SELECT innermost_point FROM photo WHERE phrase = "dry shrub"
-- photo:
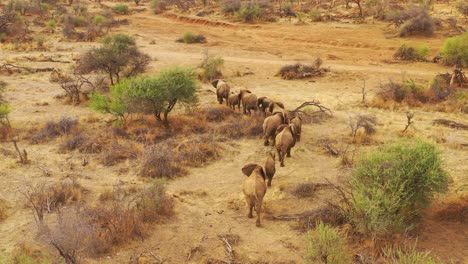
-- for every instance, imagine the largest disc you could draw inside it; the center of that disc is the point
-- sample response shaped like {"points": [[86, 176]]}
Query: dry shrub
{"points": [[407, 93], [26, 253], [454, 209], [217, 113], [197, 152], [3, 209], [117, 153], [243, 126], [43, 199], [304, 190], [420, 24], [154, 204], [160, 161], [83, 143], [367, 122], [54, 129], [326, 214], [301, 71]]}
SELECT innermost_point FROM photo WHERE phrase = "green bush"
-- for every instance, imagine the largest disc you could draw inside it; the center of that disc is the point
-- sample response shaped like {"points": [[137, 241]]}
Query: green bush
{"points": [[410, 53], [391, 186], [5, 109], [117, 102], [99, 20], [455, 50], [190, 38], [326, 245], [121, 9], [315, 15], [250, 13], [211, 68], [462, 7], [52, 24], [79, 21]]}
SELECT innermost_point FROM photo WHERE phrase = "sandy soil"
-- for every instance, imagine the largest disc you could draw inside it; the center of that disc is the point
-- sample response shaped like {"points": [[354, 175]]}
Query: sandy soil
{"points": [[209, 201]]}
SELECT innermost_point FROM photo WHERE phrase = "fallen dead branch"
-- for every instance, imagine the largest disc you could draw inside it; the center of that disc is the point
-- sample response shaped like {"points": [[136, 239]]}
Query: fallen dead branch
{"points": [[321, 108], [331, 149], [409, 117], [450, 123], [23, 156], [11, 68]]}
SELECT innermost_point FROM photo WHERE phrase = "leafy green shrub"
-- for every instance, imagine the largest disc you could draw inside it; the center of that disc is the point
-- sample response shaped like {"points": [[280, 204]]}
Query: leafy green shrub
{"points": [[326, 245], [455, 50], [287, 9], [211, 68], [409, 53], [315, 15], [250, 13], [79, 21], [117, 102], [231, 6], [120, 9], [190, 38], [99, 20], [391, 186], [5, 110], [422, 24], [52, 24], [462, 7], [44, 7]]}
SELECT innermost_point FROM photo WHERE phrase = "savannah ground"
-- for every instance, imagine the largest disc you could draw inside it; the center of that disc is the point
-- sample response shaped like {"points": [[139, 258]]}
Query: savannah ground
{"points": [[209, 202]]}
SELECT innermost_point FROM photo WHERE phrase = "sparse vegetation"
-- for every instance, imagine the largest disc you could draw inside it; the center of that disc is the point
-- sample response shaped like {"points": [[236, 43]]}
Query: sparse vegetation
{"points": [[121, 9], [54, 129], [211, 68], [421, 24], [455, 51], [3, 209], [190, 38], [301, 71], [392, 186], [161, 162], [326, 245], [231, 6], [410, 53], [118, 57], [250, 12], [462, 7], [409, 256]]}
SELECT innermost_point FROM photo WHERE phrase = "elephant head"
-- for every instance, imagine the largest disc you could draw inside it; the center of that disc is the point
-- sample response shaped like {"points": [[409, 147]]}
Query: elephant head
{"points": [[275, 104], [249, 168], [215, 82]]}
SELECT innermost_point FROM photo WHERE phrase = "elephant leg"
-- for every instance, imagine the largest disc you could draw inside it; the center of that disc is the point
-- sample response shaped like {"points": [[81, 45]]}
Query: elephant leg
{"points": [[265, 141], [279, 154], [282, 158], [269, 181], [250, 215], [258, 209], [289, 153]]}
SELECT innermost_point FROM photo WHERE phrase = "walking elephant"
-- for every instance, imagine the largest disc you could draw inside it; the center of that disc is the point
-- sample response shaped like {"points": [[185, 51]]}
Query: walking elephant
{"points": [[222, 90]]}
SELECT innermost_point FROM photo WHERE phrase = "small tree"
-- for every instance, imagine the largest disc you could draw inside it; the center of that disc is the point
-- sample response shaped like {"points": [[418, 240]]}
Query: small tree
{"points": [[117, 102], [4, 106], [118, 57], [455, 50], [159, 95]]}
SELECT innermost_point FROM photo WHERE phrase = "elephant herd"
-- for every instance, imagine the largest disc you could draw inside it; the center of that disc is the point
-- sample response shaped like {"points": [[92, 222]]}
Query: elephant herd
{"points": [[281, 129]]}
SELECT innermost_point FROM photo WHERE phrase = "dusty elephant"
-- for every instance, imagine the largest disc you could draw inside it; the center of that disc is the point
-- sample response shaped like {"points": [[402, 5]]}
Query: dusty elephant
{"points": [[248, 101], [270, 167], [222, 90], [285, 140], [275, 107], [263, 103], [270, 124], [233, 100], [254, 189], [297, 121]]}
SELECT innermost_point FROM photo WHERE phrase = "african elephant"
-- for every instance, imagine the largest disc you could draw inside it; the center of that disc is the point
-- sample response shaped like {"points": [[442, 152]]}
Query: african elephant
{"points": [[254, 188], [270, 124], [263, 103], [222, 90], [233, 100], [270, 167], [297, 121], [285, 139], [275, 107], [248, 101]]}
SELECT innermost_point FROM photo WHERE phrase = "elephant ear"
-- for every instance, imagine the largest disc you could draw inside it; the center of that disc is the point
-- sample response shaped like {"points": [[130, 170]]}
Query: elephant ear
{"points": [[247, 169], [262, 172], [215, 83], [270, 107], [293, 130], [281, 128], [280, 104]]}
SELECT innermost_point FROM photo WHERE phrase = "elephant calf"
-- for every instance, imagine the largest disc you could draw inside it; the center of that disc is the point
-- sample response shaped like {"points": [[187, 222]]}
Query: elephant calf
{"points": [[270, 167], [254, 188], [233, 100], [297, 121], [263, 103], [285, 139], [248, 101], [270, 124], [222, 90]]}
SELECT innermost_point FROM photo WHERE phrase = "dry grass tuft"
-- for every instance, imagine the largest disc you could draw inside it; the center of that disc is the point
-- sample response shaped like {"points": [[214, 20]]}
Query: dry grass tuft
{"points": [[161, 161], [326, 214], [54, 129], [83, 143], [117, 153], [198, 151], [305, 190], [454, 209], [3, 209], [301, 71], [26, 253], [217, 113]]}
